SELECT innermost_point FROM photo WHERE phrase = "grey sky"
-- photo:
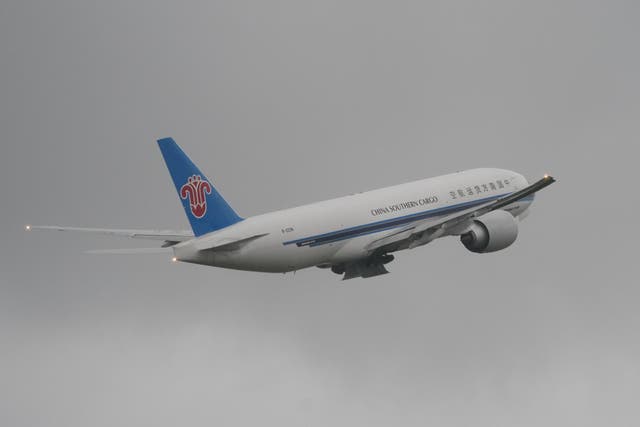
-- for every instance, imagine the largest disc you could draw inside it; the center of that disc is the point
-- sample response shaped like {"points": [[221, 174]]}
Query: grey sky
{"points": [[287, 102]]}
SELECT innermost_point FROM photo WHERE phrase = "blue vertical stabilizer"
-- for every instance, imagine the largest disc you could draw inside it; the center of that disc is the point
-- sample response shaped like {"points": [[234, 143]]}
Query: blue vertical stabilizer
{"points": [[206, 209]]}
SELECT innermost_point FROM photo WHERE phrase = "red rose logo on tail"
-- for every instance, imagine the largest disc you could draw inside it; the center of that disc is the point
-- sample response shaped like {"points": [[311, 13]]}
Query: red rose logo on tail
{"points": [[196, 189]]}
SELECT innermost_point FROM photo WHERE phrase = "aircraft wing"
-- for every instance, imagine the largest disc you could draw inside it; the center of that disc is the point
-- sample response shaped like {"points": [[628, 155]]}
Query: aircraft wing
{"points": [[170, 236], [426, 230]]}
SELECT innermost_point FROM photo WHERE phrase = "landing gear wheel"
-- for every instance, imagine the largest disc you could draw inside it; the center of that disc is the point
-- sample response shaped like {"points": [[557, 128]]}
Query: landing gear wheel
{"points": [[338, 269]]}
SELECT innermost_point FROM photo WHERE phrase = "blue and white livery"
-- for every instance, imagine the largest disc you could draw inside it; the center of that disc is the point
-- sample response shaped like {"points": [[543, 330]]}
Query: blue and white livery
{"points": [[354, 236]]}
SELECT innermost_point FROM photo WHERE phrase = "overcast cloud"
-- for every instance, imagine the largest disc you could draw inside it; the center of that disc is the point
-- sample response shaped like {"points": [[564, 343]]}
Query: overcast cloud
{"points": [[287, 102]]}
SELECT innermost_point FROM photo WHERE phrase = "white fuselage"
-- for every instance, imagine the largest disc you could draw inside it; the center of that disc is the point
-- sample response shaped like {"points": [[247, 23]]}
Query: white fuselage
{"points": [[338, 230]]}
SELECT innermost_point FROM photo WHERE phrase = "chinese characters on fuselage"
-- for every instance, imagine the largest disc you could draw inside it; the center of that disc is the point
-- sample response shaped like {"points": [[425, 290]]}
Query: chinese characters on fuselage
{"points": [[455, 194], [478, 189]]}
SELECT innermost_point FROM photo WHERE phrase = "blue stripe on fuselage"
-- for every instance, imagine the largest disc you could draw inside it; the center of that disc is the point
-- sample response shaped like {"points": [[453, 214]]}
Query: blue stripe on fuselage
{"points": [[375, 227]]}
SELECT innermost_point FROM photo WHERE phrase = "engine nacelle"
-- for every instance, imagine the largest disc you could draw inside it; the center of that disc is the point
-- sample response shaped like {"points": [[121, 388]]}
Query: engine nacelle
{"points": [[491, 232]]}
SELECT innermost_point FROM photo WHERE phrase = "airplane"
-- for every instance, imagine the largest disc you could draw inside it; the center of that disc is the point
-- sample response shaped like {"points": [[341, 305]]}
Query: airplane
{"points": [[354, 236]]}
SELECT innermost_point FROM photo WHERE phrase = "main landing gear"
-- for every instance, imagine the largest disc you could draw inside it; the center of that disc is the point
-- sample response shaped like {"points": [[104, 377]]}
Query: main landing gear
{"points": [[369, 267]]}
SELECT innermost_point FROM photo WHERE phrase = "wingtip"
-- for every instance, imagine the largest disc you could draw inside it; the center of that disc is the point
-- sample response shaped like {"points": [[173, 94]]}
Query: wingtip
{"points": [[27, 227]]}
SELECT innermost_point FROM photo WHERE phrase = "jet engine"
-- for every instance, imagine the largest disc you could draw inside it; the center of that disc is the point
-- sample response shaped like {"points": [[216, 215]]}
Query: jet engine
{"points": [[491, 232]]}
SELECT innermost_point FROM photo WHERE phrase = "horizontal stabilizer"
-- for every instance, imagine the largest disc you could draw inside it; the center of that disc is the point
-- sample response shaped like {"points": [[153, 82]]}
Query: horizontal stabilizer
{"points": [[129, 251], [170, 235]]}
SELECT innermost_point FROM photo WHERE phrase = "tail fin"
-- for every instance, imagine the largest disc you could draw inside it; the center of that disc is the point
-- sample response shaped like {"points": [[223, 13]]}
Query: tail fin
{"points": [[206, 209]]}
